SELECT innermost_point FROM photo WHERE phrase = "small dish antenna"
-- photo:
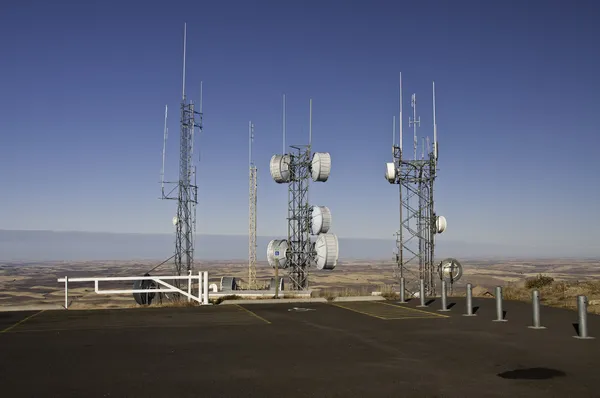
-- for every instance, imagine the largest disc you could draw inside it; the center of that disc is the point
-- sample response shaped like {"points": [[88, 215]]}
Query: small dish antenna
{"points": [[277, 250], [321, 166], [450, 270], [440, 224], [175, 220], [321, 220], [280, 168], [327, 251], [390, 172]]}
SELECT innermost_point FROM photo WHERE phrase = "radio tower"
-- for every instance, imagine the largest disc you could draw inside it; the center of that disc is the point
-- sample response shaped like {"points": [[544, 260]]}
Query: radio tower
{"points": [[252, 214], [415, 240], [298, 252], [185, 190]]}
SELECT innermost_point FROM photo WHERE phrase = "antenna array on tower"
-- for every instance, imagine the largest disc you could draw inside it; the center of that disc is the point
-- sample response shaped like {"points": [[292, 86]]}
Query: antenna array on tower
{"points": [[298, 252], [419, 224]]}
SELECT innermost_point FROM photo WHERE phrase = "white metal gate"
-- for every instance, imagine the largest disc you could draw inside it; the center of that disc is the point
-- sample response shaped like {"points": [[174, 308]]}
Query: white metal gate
{"points": [[201, 298]]}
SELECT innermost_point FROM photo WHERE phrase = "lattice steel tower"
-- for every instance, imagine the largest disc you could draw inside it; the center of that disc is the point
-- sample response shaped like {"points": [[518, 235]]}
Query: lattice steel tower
{"points": [[298, 252], [415, 240], [252, 214], [301, 253], [185, 190]]}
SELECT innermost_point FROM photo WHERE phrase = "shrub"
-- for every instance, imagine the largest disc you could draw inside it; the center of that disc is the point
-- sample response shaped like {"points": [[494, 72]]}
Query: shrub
{"points": [[538, 282], [219, 300]]}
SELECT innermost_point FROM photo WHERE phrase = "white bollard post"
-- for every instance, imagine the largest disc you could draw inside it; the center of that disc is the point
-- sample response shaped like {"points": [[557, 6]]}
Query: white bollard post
{"points": [[205, 288], [535, 300], [189, 285], [200, 287], [444, 298], [422, 293], [66, 292], [469, 301], [402, 290], [582, 318], [499, 310]]}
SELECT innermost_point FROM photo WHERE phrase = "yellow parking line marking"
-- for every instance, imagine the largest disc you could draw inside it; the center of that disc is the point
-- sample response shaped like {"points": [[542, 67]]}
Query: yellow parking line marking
{"points": [[253, 314], [360, 312], [413, 309], [20, 322]]}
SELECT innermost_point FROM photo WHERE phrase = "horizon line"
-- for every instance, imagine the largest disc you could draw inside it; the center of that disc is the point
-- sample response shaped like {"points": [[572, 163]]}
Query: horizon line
{"points": [[157, 233]]}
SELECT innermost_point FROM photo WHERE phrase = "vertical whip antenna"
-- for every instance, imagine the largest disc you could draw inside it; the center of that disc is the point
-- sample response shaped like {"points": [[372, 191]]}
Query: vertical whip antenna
{"points": [[400, 121], [414, 122], [184, 48], [250, 139], [310, 122], [414, 106], [200, 96], [201, 112], [283, 124], [435, 141], [162, 170], [394, 133]]}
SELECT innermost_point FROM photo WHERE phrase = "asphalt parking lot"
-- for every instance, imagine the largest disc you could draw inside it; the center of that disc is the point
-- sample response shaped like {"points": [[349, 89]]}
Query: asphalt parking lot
{"points": [[347, 349]]}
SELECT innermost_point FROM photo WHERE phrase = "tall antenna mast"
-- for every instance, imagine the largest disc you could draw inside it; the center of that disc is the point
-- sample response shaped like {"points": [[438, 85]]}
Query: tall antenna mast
{"points": [[283, 123], [184, 50], [435, 141], [414, 122], [419, 223], [252, 213], [185, 190]]}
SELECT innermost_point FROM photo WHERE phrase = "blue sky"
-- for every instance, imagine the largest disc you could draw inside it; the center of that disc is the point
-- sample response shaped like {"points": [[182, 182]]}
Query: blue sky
{"points": [[83, 89]]}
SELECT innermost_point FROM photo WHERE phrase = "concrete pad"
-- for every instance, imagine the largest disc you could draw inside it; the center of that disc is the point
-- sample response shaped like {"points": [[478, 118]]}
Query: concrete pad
{"points": [[276, 301], [358, 298], [40, 307]]}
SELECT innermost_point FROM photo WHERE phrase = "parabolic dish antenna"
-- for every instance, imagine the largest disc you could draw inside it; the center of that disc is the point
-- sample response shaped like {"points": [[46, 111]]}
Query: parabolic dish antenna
{"points": [[280, 168], [175, 220], [277, 249], [321, 166], [390, 172], [451, 270], [440, 224], [327, 250], [144, 298], [321, 220]]}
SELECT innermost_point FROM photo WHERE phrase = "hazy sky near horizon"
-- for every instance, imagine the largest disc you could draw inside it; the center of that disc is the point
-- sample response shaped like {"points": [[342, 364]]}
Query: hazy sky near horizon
{"points": [[84, 87]]}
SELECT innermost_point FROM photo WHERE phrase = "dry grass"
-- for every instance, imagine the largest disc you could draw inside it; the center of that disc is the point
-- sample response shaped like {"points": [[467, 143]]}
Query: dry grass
{"points": [[330, 293], [333, 292], [22, 284], [559, 294]]}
